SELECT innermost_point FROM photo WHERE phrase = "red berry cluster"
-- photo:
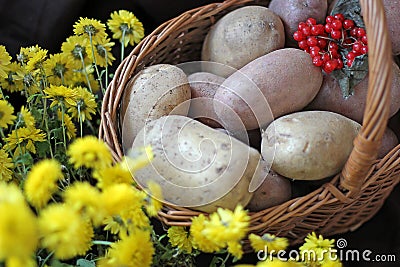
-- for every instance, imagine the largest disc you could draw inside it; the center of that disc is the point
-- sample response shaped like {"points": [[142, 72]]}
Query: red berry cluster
{"points": [[326, 42]]}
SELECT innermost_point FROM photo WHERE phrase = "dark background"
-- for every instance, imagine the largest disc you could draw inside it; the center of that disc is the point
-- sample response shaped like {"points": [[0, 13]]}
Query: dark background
{"points": [[48, 23]]}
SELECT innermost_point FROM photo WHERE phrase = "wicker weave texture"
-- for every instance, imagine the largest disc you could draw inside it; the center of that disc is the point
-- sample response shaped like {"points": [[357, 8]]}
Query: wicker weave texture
{"points": [[341, 205]]}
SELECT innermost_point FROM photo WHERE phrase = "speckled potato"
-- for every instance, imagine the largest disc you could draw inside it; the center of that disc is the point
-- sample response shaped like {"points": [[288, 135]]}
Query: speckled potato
{"points": [[281, 82], [152, 93], [196, 165], [389, 141], [203, 87], [330, 97], [392, 13], [241, 36], [309, 145], [275, 190], [292, 12]]}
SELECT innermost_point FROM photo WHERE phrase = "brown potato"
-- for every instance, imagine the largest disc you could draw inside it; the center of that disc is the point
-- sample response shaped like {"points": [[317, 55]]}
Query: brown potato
{"points": [[330, 97], [389, 141], [242, 36], [203, 86], [309, 145], [271, 83], [292, 12], [156, 91], [275, 190], [392, 12]]}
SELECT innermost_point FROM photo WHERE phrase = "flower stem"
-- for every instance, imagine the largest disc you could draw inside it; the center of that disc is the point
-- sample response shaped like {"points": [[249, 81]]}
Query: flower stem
{"points": [[102, 242], [95, 62], [85, 72], [123, 44], [63, 125], [46, 259]]}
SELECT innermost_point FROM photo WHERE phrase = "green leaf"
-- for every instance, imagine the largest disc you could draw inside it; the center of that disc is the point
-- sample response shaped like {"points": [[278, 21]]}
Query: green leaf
{"points": [[349, 77], [85, 263], [351, 9]]}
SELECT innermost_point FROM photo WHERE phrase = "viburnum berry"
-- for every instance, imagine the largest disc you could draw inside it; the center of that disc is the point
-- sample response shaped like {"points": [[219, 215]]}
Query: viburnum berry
{"points": [[336, 34], [298, 36], [311, 21], [339, 16], [333, 44], [348, 24], [336, 24], [364, 49], [312, 41]]}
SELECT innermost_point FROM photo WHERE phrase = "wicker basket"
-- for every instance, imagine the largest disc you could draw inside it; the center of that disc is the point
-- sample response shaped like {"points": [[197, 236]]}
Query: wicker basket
{"points": [[340, 205]]}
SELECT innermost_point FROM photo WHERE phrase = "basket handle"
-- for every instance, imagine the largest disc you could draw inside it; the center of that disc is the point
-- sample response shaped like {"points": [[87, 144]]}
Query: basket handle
{"points": [[376, 113]]}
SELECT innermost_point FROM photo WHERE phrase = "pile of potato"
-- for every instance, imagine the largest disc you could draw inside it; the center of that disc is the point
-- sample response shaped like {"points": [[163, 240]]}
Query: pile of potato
{"points": [[241, 130]]}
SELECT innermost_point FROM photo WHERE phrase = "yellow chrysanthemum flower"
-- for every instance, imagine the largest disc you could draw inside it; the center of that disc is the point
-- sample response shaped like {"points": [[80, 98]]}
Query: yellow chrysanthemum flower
{"points": [[6, 114], [85, 104], [23, 139], [118, 198], [68, 124], [21, 262], [58, 68], [235, 249], [112, 175], [114, 224], [102, 53], [18, 224], [27, 53], [31, 85], [125, 202], [79, 79], [6, 166], [27, 118], [315, 248], [5, 61], [85, 199], [41, 182], [90, 152], [137, 159], [226, 226], [179, 237], [14, 80], [126, 27], [135, 218], [35, 61], [268, 243], [61, 95], [154, 199], [131, 251], [76, 49], [91, 28], [200, 240], [64, 231]]}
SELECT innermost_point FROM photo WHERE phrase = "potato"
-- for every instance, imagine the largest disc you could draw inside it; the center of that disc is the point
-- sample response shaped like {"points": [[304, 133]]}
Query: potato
{"points": [[203, 87], [272, 83], [330, 97], [152, 93], [292, 12], [197, 166], [392, 12], [309, 145], [241, 36], [389, 141], [275, 190]]}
